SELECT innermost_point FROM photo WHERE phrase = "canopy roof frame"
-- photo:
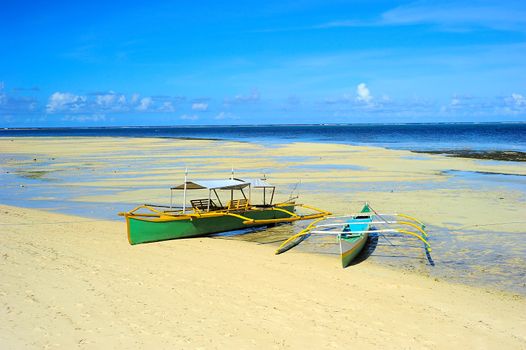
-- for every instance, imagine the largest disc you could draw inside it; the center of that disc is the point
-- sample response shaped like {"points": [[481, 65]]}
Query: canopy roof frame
{"points": [[229, 185], [211, 185]]}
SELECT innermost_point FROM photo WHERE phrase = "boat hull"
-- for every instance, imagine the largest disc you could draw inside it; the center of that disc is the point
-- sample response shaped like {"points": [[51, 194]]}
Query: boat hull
{"points": [[143, 230], [351, 247], [351, 244]]}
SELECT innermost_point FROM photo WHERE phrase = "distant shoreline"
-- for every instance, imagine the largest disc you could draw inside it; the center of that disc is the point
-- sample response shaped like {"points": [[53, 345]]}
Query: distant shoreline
{"points": [[253, 125], [510, 156], [481, 154]]}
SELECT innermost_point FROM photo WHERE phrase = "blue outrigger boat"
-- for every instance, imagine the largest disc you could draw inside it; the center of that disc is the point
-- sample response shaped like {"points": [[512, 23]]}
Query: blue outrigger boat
{"points": [[352, 231]]}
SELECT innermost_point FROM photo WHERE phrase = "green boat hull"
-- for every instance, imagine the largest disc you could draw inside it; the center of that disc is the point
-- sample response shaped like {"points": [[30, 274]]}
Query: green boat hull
{"points": [[143, 230], [352, 245]]}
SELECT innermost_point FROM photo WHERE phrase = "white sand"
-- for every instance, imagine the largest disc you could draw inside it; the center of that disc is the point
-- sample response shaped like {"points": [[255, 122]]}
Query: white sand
{"points": [[78, 284]]}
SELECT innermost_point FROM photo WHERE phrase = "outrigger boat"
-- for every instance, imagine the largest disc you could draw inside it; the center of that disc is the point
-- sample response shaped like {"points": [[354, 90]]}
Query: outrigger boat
{"points": [[353, 230], [151, 223]]}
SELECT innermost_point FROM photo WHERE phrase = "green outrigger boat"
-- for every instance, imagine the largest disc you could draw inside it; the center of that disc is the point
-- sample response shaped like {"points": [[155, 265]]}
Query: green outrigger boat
{"points": [[151, 223], [353, 230]]}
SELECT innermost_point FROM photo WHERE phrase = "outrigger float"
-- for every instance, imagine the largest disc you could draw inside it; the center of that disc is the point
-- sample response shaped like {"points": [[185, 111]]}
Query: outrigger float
{"points": [[353, 230], [151, 223]]}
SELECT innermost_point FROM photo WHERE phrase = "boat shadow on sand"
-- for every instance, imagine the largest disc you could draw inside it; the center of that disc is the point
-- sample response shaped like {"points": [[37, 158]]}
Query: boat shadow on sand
{"points": [[367, 251], [373, 243]]}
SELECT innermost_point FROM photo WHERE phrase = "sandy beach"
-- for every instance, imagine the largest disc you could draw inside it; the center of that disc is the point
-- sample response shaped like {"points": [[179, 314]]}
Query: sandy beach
{"points": [[73, 281], [271, 175]]}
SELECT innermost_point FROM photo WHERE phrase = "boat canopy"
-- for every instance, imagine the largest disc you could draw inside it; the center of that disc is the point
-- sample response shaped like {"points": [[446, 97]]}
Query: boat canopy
{"points": [[257, 183], [213, 185]]}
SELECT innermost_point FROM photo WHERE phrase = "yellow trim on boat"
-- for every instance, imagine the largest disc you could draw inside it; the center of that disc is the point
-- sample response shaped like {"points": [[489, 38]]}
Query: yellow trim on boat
{"points": [[315, 209], [412, 218], [428, 246], [350, 251], [244, 218], [299, 234], [297, 218], [286, 212], [413, 225], [156, 215]]}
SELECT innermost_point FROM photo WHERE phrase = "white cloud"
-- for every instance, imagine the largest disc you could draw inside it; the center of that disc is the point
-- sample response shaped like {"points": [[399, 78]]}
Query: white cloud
{"points": [[225, 115], [84, 118], [457, 14], [144, 104], [13, 105], [364, 95], [135, 98], [445, 15], [189, 117], [512, 105], [105, 100], [252, 97], [200, 106], [167, 106], [86, 106], [518, 99], [65, 102], [484, 107]]}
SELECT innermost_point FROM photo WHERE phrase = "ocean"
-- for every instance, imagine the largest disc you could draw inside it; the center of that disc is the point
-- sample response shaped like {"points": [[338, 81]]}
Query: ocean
{"points": [[425, 137]]}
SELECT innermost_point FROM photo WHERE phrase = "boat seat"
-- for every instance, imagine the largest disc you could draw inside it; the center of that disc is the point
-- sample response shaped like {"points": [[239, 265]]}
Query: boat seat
{"points": [[238, 204], [202, 204]]}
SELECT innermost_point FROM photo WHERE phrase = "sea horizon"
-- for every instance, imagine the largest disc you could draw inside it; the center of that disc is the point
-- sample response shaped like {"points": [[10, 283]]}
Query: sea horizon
{"points": [[479, 137], [261, 125]]}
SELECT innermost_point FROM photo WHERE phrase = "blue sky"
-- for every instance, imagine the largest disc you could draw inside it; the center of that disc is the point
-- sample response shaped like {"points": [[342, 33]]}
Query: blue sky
{"points": [[100, 63]]}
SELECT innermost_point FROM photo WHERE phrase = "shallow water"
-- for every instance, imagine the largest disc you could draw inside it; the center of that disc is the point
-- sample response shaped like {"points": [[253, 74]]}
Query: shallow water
{"points": [[510, 181]]}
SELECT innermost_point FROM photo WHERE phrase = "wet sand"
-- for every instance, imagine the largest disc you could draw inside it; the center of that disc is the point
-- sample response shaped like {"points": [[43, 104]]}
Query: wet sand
{"points": [[139, 170]]}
